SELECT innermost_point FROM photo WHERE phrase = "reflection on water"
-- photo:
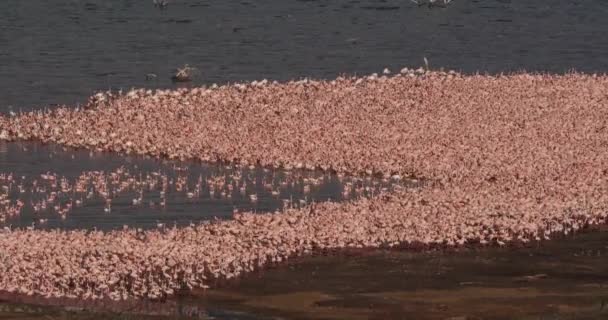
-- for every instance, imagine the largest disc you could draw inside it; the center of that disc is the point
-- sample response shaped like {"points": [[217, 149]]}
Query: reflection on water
{"points": [[49, 186], [62, 51]]}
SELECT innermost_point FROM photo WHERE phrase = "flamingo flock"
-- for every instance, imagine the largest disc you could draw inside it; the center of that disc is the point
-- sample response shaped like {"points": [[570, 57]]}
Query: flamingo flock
{"points": [[53, 194], [506, 158]]}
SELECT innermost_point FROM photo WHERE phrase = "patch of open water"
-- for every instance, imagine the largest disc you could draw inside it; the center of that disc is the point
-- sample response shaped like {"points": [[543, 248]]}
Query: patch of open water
{"points": [[62, 51], [68, 188]]}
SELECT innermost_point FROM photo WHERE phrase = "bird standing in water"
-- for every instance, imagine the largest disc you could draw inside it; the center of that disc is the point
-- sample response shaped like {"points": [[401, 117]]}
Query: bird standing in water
{"points": [[161, 3]]}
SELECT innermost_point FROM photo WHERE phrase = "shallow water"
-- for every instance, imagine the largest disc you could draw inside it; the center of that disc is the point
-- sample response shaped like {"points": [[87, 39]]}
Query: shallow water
{"points": [[193, 191], [62, 51], [559, 279]]}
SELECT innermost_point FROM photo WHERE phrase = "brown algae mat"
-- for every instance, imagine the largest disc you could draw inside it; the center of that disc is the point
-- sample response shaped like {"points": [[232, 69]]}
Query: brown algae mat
{"points": [[507, 158]]}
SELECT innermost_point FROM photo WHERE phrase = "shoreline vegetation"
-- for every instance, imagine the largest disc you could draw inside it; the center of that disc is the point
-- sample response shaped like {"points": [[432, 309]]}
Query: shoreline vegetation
{"points": [[505, 159]]}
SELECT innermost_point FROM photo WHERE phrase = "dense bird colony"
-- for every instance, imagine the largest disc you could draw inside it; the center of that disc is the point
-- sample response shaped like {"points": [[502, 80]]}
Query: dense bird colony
{"points": [[507, 158]]}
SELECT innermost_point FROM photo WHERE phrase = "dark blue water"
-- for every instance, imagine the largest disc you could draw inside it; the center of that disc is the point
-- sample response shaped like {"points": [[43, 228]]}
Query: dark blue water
{"points": [[61, 51]]}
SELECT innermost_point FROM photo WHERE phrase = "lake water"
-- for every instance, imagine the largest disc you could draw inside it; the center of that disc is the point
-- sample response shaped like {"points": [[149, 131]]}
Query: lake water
{"points": [[60, 52], [74, 188], [54, 52]]}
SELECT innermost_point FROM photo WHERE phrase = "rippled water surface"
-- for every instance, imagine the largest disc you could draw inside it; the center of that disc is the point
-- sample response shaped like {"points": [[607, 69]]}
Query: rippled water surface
{"points": [[69, 188], [61, 51]]}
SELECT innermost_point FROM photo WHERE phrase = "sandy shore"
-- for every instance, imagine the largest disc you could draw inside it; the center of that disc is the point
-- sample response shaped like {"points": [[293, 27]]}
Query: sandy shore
{"points": [[508, 158]]}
